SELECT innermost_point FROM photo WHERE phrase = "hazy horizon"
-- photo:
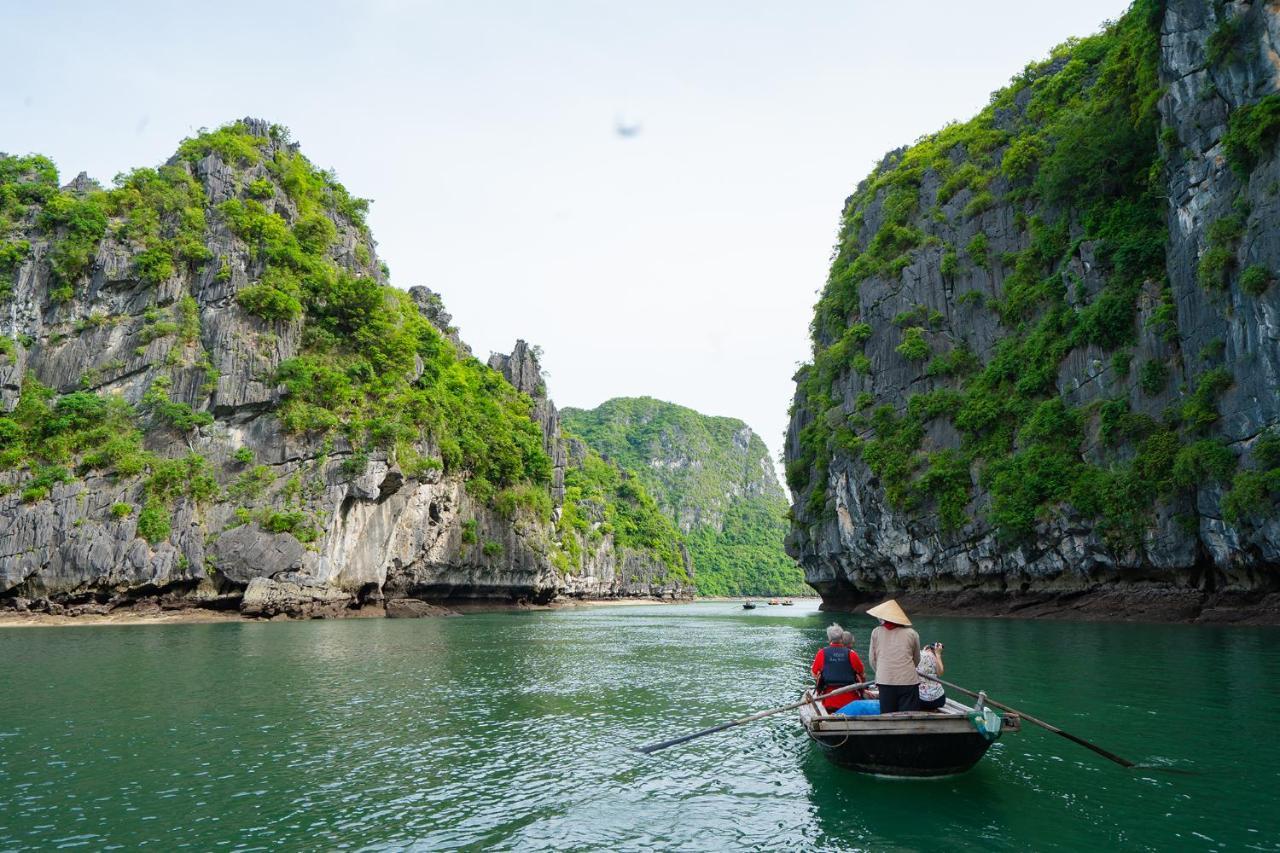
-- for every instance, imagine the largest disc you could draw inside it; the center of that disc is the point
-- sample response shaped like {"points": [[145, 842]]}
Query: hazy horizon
{"points": [[680, 262]]}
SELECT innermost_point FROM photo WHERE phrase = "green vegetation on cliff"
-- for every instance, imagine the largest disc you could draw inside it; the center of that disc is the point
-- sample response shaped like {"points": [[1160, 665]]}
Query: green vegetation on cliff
{"points": [[57, 438], [368, 367], [1073, 146], [371, 367], [745, 555], [599, 499], [712, 476]]}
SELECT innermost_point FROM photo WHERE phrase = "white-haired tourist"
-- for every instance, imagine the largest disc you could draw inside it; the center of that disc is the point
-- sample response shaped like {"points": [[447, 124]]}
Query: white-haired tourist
{"points": [[837, 665]]}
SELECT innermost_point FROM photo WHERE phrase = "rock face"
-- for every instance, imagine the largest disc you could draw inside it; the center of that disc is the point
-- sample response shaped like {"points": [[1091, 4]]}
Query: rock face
{"points": [[714, 477], [166, 308], [523, 371], [297, 596], [412, 608], [432, 307], [1046, 358], [1239, 328]]}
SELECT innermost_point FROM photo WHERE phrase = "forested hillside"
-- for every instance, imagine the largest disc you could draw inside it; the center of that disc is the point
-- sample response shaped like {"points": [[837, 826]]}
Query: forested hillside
{"points": [[712, 475]]}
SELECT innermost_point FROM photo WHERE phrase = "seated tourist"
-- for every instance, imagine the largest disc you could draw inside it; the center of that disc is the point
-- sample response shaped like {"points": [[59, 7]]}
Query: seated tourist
{"points": [[837, 665], [932, 694]]}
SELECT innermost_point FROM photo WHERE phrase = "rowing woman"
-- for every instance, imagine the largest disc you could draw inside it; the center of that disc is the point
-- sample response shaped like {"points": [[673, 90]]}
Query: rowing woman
{"points": [[894, 653]]}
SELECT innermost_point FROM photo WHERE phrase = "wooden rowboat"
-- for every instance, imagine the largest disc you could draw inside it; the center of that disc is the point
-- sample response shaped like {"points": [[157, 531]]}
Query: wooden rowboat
{"points": [[924, 743]]}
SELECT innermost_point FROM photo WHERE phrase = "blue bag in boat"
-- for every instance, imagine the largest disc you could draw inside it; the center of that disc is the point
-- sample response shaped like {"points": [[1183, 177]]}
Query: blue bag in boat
{"points": [[860, 708]]}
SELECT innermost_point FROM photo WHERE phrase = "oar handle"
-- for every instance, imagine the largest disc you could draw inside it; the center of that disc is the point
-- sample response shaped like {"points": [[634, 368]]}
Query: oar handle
{"points": [[654, 747]]}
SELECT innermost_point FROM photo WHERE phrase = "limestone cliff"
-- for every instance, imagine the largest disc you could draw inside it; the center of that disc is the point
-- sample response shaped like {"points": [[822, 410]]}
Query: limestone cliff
{"points": [[1045, 361], [209, 394]]}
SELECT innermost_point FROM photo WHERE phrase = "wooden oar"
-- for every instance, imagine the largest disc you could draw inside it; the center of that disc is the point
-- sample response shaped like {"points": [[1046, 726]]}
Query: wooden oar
{"points": [[741, 721], [1123, 762]]}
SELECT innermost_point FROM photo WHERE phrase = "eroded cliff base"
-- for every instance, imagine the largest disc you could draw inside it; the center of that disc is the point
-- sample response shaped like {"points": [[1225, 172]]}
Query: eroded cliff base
{"points": [[276, 604], [1099, 603]]}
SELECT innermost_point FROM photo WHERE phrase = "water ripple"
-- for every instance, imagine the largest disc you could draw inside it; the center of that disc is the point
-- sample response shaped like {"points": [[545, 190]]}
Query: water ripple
{"points": [[515, 732]]}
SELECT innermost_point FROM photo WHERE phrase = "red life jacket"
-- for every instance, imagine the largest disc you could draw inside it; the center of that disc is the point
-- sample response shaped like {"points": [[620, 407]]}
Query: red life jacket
{"points": [[837, 668]]}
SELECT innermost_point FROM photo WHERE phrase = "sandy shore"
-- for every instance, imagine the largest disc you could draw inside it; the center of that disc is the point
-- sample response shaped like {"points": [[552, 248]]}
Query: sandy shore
{"points": [[9, 619], [196, 615], [1113, 605]]}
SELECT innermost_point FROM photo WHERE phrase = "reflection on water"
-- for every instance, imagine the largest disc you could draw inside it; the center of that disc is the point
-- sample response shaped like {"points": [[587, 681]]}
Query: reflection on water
{"points": [[515, 730]]}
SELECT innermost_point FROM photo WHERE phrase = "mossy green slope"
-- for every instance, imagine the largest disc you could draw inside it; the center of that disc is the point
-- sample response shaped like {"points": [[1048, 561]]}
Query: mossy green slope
{"points": [[366, 373], [965, 413], [362, 339], [713, 476], [1075, 141]]}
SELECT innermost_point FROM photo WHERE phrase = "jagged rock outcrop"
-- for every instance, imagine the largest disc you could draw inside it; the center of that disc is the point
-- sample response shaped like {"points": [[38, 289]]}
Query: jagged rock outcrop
{"points": [[524, 372], [210, 397], [413, 608], [294, 595], [1046, 356], [432, 307]]}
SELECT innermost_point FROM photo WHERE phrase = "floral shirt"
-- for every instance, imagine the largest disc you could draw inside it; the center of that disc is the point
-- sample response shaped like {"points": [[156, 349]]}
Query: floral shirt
{"points": [[929, 690]]}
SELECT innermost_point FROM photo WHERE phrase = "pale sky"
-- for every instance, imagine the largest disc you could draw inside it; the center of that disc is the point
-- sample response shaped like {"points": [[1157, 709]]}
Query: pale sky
{"points": [[681, 263]]}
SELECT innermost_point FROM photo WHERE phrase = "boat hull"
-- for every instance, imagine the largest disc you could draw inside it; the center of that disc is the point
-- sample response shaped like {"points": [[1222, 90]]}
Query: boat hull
{"points": [[914, 744], [906, 755]]}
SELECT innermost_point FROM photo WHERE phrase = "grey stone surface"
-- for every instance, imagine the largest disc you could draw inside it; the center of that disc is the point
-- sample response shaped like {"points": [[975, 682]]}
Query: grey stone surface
{"points": [[864, 545], [412, 608], [298, 597], [416, 536], [432, 307], [523, 370], [247, 552], [12, 368]]}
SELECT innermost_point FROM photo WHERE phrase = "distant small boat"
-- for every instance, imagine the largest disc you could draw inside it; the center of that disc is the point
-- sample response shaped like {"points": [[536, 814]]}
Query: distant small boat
{"points": [[774, 601], [786, 602], [748, 605]]}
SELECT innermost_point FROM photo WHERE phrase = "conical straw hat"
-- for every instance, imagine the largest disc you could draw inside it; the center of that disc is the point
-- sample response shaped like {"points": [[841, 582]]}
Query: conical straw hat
{"points": [[889, 612]]}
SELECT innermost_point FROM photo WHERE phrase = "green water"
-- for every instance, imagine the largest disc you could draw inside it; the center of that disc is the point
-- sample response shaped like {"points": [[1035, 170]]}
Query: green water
{"points": [[511, 731]]}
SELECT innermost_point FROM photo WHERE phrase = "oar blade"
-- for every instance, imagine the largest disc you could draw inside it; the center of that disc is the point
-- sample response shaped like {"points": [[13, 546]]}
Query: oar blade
{"points": [[1123, 762], [654, 747]]}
